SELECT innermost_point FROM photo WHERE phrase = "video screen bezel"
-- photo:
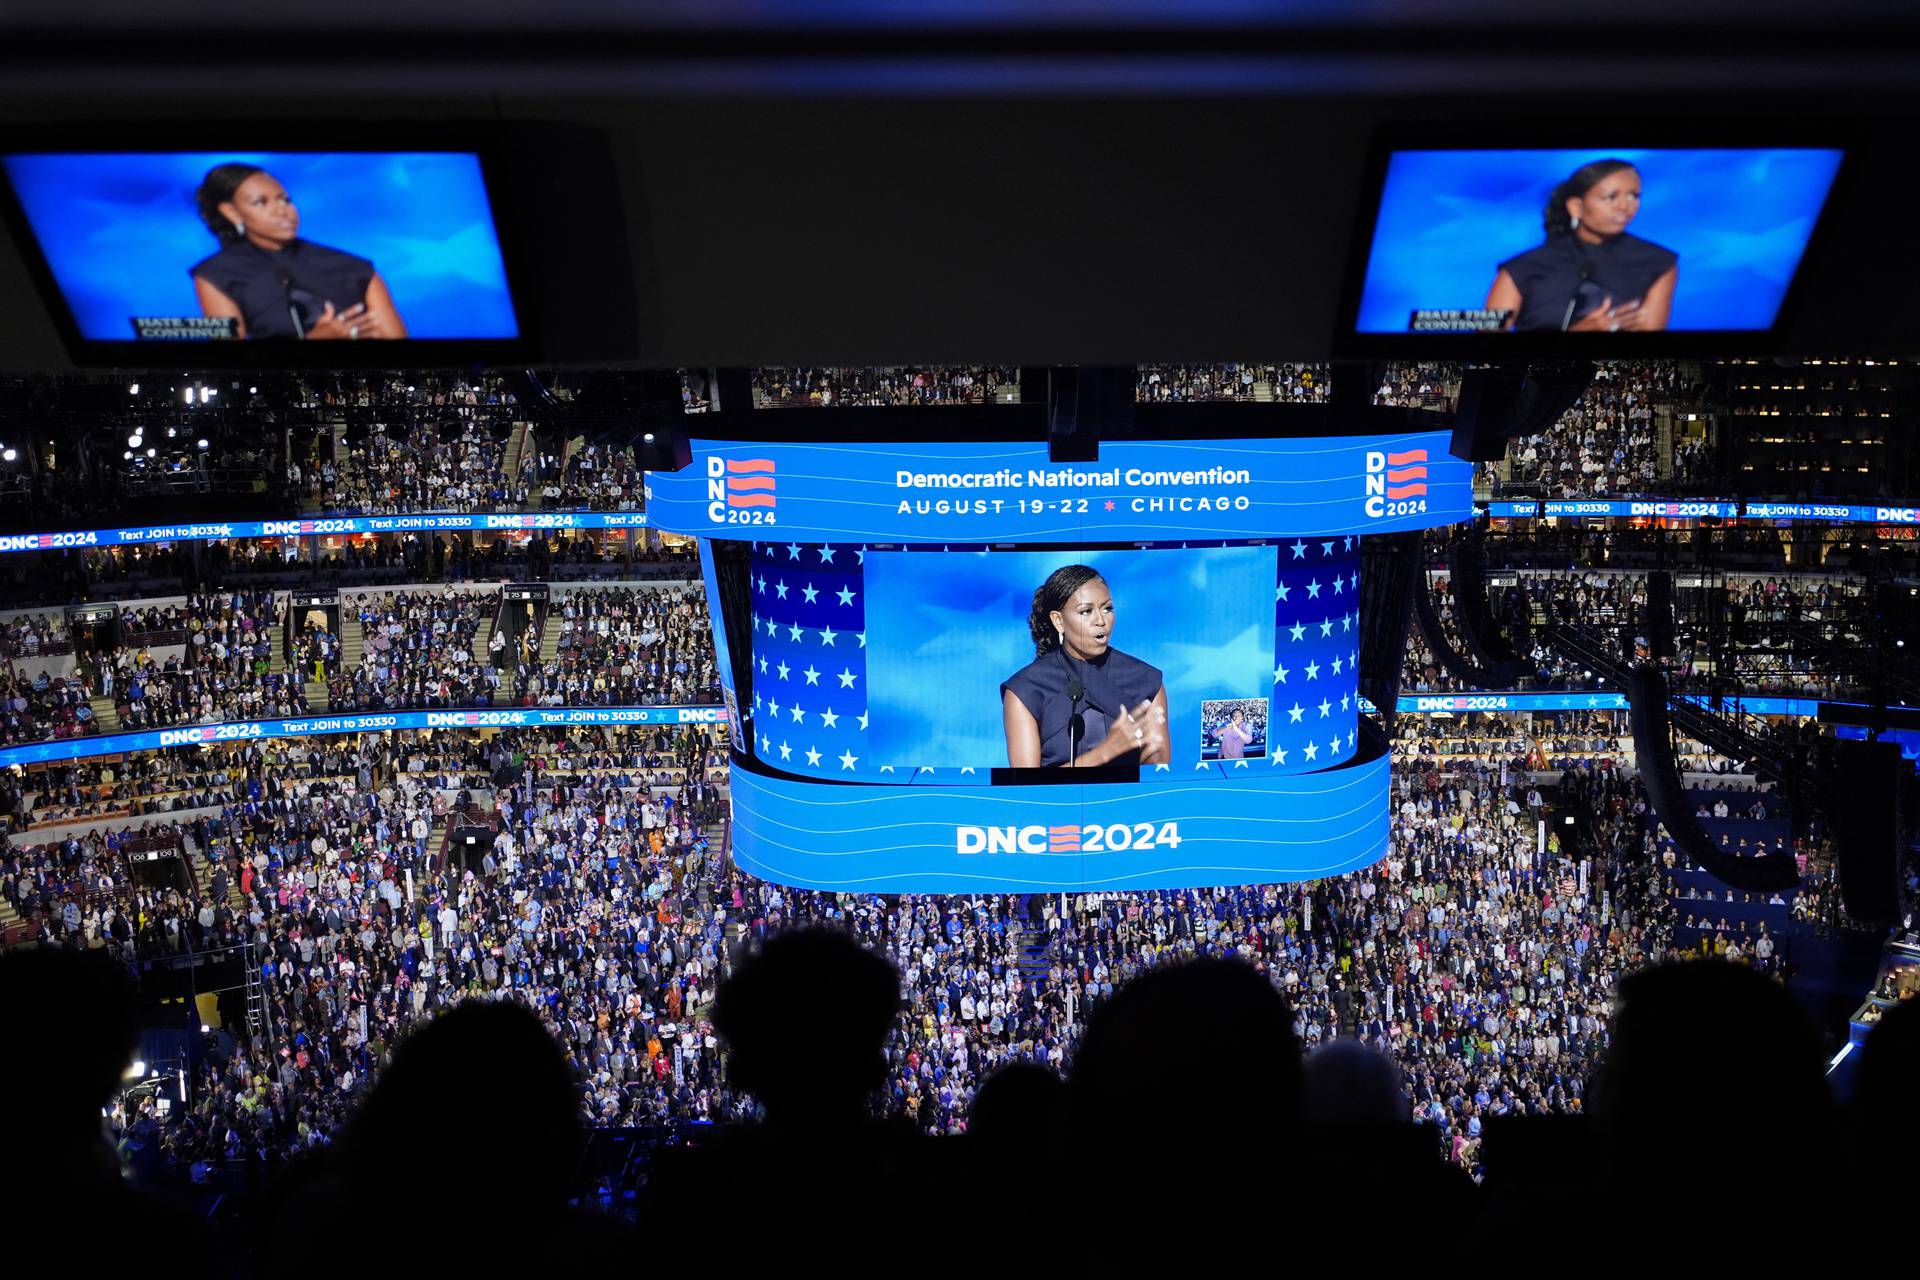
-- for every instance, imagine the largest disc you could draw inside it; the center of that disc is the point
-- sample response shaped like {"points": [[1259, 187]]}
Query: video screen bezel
{"points": [[485, 144], [1349, 342]]}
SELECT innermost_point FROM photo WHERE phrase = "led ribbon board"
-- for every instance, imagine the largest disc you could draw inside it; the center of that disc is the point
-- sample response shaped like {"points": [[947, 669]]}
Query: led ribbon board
{"points": [[310, 526], [1697, 508], [372, 722]]}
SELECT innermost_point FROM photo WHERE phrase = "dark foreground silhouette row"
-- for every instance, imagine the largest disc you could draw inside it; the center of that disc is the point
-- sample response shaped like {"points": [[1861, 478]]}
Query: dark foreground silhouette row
{"points": [[1190, 1120]]}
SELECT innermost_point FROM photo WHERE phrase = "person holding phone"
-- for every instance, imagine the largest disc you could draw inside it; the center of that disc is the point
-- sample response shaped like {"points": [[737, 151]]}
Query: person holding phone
{"points": [[1591, 275], [1081, 702], [272, 282]]}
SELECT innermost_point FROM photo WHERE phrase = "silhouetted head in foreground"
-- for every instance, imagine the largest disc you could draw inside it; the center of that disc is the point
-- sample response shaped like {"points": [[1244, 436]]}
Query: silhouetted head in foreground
{"points": [[1883, 1087], [1711, 1063], [477, 1099], [1347, 1084], [72, 1023], [1020, 1107], [1185, 1062], [805, 1019]]}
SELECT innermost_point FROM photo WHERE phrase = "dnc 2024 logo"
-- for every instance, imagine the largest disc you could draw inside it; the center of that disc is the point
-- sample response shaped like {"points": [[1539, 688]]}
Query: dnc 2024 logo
{"points": [[1396, 483], [741, 490], [1092, 838]]}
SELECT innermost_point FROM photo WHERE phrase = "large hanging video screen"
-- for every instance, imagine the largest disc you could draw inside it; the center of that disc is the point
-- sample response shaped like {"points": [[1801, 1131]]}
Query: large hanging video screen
{"points": [[273, 247], [1590, 240]]}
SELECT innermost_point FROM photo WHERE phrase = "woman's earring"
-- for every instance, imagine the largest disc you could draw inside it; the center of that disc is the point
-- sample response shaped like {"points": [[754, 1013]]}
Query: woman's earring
{"points": [[1060, 637], [240, 228], [1576, 224]]}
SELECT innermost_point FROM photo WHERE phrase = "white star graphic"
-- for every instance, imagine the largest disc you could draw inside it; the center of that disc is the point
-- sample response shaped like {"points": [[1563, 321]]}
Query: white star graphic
{"points": [[830, 718], [763, 666], [785, 671], [827, 634], [1326, 708], [813, 676], [1349, 543], [1299, 551], [1313, 671], [826, 555], [1353, 580], [926, 768], [1279, 675], [1336, 666], [847, 677], [1313, 589], [1241, 763], [863, 639], [845, 594], [763, 584], [756, 702], [1346, 701], [859, 555], [1346, 622], [1282, 591], [1326, 627], [1280, 755], [766, 744], [965, 770], [780, 589], [1350, 741], [799, 716], [1333, 748], [863, 719], [886, 768], [1200, 764], [773, 708], [793, 631], [1326, 548], [847, 759], [770, 626], [786, 752], [1162, 768], [793, 551], [1297, 631], [810, 592], [1337, 584], [1294, 713], [1312, 751], [813, 757]]}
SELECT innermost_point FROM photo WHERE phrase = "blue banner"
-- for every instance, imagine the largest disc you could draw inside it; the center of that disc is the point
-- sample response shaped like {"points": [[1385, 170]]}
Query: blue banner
{"points": [[369, 722], [1138, 491], [1485, 700], [1240, 824], [309, 526], [1695, 508]]}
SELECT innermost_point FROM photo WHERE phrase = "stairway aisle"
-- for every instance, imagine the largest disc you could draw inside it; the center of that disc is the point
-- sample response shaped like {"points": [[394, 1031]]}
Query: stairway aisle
{"points": [[105, 713]]}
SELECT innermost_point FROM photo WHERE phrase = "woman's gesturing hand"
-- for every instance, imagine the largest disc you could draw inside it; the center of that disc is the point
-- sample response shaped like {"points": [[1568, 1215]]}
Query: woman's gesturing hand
{"points": [[354, 322], [1143, 729]]}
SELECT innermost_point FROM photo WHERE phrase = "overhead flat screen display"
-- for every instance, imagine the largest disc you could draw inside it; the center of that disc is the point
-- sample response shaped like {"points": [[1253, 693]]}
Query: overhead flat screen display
{"points": [[1590, 240], [279, 247]]}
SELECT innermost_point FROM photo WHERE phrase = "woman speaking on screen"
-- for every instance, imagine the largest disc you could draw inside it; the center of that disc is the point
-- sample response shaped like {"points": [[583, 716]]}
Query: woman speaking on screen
{"points": [[273, 282], [1591, 275], [1081, 702]]}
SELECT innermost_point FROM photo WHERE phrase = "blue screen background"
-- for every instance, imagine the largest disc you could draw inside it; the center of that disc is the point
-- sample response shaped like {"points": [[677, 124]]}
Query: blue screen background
{"points": [[944, 629], [1739, 219], [121, 231]]}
